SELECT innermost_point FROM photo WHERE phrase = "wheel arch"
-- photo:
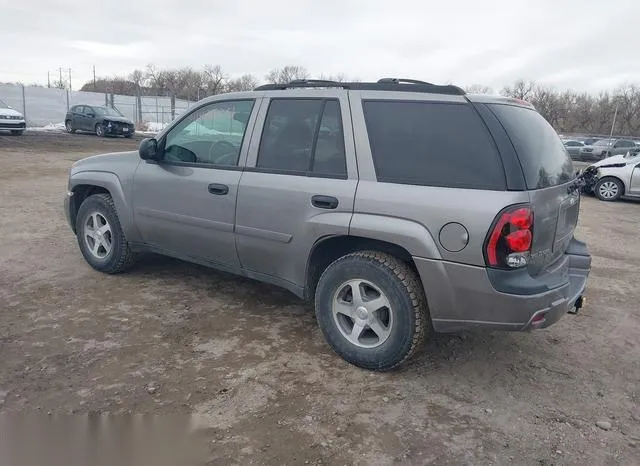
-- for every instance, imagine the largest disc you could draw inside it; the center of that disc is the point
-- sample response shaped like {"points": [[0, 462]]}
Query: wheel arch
{"points": [[87, 183], [330, 248]]}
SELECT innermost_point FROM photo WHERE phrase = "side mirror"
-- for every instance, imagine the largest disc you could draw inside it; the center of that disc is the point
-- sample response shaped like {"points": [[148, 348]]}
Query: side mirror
{"points": [[91, 115], [148, 149]]}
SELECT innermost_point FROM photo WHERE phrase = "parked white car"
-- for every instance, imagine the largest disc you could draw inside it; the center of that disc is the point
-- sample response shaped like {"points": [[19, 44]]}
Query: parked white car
{"points": [[11, 120], [614, 177]]}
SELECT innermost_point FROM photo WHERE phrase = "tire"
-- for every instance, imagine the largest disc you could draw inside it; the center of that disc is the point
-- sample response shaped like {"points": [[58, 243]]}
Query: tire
{"points": [[100, 130], [69, 127], [17, 132], [96, 212], [608, 189], [402, 325], [128, 136]]}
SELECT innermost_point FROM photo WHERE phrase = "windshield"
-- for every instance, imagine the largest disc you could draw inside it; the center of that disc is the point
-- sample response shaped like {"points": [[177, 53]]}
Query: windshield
{"points": [[107, 111], [3, 104], [603, 142]]}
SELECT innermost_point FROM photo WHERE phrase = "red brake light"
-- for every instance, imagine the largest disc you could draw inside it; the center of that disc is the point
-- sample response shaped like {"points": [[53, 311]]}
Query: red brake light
{"points": [[519, 241], [510, 239], [522, 218]]}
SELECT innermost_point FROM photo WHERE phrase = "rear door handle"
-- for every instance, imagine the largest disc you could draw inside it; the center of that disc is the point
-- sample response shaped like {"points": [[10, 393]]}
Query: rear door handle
{"points": [[324, 202], [218, 189]]}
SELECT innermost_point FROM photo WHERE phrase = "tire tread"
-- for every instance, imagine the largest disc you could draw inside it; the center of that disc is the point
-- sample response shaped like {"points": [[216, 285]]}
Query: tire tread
{"points": [[412, 286]]}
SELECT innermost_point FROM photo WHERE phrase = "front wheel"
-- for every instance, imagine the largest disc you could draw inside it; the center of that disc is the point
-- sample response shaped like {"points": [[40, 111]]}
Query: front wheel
{"points": [[608, 189], [372, 310], [17, 132], [100, 130], [100, 237], [69, 127]]}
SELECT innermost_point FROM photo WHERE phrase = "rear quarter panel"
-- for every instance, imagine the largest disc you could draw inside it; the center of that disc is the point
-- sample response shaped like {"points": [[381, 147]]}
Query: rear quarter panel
{"points": [[413, 216]]}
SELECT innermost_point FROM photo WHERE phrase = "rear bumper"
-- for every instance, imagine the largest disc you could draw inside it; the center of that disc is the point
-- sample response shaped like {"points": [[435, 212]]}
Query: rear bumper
{"points": [[463, 297]]}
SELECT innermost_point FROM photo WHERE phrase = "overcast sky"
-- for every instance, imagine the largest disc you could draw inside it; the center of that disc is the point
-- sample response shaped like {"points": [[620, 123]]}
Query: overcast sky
{"points": [[581, 44]]}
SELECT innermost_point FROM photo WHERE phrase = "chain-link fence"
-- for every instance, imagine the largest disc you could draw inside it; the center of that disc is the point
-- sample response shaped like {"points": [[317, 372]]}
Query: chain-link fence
{"points": [[42, 106]]}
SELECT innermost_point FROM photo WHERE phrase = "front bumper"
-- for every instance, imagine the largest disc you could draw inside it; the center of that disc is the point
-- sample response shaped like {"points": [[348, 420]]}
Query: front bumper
{"points": [[463, 297], [13, 124], [119, 129], [68, 206]]}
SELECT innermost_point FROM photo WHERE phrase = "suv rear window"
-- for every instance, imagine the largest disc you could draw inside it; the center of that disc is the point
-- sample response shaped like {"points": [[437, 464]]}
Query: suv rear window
{"points": [[544, 160], [432, 144]]}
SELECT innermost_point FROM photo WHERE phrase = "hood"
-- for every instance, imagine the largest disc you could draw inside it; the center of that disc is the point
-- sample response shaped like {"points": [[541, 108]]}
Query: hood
{"points": [[620, 160], [107, 162], [610, 160], [119, 119], [10, 112]]}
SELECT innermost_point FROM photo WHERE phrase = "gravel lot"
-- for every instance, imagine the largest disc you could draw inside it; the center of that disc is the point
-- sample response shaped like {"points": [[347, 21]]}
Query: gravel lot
{"points": [[250, 361]]}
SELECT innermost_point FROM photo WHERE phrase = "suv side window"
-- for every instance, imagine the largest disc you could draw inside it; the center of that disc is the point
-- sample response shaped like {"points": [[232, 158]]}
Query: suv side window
{"points": [[432, 144], [210, 135], [78, 109], [303, 137]]}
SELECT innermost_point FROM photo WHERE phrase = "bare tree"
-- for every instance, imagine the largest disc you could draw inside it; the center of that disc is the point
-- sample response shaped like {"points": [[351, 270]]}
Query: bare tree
{"points": [[520, 90], [339, 78], [60, 84], [478, 89], [287, 74], [213, 79], [246, 82]]}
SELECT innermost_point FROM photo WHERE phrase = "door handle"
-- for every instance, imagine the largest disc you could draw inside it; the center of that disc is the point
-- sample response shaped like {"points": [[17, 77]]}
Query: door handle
{"points": [[218, 189], [324, 202]]}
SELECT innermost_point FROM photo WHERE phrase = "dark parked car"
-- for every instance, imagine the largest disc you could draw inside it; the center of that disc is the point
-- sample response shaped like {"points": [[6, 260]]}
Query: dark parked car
{"points": [[104, 121]]}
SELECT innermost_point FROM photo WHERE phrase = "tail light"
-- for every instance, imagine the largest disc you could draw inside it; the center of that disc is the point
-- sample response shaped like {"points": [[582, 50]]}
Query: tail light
{"points": [[508, 244]]}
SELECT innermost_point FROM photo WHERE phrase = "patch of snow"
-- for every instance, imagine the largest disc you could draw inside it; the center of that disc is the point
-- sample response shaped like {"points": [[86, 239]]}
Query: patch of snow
{"points": [[48, 128], [155, 127]]}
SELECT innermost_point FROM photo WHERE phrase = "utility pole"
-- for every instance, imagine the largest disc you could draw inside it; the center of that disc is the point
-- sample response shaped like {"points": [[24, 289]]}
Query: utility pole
{"points": [[48, 80], [94, 78], [60, 69], [613, 124], [69, 78]]}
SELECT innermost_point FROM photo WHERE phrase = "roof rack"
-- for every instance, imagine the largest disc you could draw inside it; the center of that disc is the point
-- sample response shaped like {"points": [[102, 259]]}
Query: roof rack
{"points": [[301, 83], [402, 80], [384, 84]]}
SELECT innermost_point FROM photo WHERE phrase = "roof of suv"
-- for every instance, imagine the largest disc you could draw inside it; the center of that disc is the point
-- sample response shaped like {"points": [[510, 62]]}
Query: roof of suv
{"points": [[393, 85]]}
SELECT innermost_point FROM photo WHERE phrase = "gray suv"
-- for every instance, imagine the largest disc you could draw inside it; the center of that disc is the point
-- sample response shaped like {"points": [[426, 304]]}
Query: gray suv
{"points": [[398, 207]]}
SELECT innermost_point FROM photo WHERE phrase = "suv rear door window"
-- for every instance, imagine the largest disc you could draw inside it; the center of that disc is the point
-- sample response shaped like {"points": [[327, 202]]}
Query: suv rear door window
{"points": [[543, 158], [303, 136], [432, 144]]}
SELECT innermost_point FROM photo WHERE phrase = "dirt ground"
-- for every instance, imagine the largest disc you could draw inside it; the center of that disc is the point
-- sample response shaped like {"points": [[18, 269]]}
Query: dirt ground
{"points": [[249, 360]]}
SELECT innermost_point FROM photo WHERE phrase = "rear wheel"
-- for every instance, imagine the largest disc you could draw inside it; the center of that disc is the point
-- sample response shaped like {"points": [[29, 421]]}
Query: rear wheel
{"points": [[17, 132], [372, 310], [608, 189], [69, 127], [128, 135], [100, 130]]}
